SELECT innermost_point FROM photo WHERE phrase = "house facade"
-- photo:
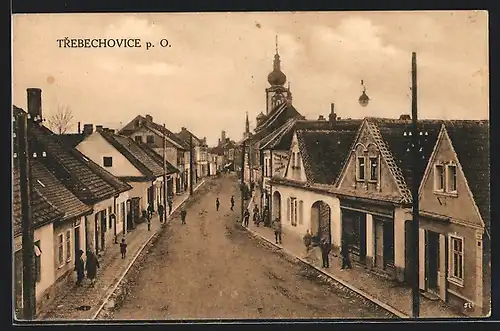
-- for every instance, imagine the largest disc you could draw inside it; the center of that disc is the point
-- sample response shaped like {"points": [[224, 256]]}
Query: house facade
{"points": [[200, 153]]}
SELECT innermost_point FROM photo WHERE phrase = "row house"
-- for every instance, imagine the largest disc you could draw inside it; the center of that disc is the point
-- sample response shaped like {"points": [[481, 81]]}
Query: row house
{"points": [[144, 130], [200, 152], [217, 154], [88, 181], [226, 148], [128, 161], [355, 186]]}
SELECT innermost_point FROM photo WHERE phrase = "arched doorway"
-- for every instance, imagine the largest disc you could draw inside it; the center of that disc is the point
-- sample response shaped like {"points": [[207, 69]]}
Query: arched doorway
{"points": [[276, 205], [320, 220]]}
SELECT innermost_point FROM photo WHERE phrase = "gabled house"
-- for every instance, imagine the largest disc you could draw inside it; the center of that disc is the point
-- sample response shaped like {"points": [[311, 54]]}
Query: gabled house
{"points": [[128, 161], [200, 150], [89, 182], [144, 130], [315, 161], [455, 218]]}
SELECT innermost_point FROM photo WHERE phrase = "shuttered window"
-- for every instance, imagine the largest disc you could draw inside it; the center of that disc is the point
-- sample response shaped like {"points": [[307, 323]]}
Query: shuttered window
{"points": [[301, 213], [288, 216]]}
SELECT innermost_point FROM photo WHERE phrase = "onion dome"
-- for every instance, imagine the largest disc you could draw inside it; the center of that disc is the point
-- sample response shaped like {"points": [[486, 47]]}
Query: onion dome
{"points": [[276, 77]]}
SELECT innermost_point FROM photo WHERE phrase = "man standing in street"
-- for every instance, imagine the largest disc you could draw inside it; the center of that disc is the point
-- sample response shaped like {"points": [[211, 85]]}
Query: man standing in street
{"points": [[325, 251], [170, 202], [79, 268], [151, 210], [183, 215], [246, 218], [307, 241], [161, 209], [91, 266], [277, 230], [217, 204], [232, 202], [344, 252], [256, 216]]}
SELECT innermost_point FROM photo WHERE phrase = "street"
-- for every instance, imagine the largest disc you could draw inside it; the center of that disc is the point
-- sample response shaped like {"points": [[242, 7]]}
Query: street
{"points": [[212, 268]]}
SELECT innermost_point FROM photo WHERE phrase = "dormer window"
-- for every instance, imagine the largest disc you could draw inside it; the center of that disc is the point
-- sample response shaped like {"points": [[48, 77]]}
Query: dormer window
{"points": [[451, 170], [361, 168], [373, 168], [439, 178]]}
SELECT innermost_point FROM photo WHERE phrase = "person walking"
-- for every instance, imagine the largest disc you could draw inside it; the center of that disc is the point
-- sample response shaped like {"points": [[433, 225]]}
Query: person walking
{"points": [[307, 241], [161, 210], [217, 204], [256, 216], [232, 202], [344, 252], [149, 222], [92, 266], [170, 203], [183, 215], [325, 251], [277, 230], [79, 268], [151, 210], [246, 218], [123, 248]]}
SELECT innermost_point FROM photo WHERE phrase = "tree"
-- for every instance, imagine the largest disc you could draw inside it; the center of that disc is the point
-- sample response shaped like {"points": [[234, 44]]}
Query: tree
{"points": [[61, 121]]}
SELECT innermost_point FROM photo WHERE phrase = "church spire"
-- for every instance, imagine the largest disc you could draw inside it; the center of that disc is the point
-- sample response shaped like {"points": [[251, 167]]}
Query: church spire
{"points": [[247, 125], [277, 61]]}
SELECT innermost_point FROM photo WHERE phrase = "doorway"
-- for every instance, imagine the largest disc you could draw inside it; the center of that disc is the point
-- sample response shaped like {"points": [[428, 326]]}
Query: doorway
{"points": [[77, 240], [432, 261], [103, 229]]}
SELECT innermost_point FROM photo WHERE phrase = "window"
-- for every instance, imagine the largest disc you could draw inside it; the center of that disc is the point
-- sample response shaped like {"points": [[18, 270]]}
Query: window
{"points": [[293, 160], [297, 163], [107, 161], [374, 168], [361, 168], [60, 249], [301, 208], [439, 177], [293, 209], [456, 259], [138, 139], [68, 245], [150, 139], [452, 178], [38, 262]]}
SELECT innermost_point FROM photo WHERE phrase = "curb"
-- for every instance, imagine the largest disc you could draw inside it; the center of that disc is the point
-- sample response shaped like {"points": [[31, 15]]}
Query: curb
{"points": [[108, 296], [367, 296]]}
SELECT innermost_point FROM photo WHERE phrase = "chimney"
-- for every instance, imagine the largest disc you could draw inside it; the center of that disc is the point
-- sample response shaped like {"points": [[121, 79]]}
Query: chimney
{"points": [[35, 102], [79, 128], [149, 118], [332, 118], [183, 129], [98, 128], [88, 129]]}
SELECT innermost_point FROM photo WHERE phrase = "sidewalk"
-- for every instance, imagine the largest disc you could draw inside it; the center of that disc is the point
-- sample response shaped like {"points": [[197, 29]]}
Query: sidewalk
{"points": [[81, 303], [389, 294]]}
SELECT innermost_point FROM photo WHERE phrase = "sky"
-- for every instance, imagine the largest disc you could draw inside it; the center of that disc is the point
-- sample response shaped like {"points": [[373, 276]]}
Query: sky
{"points": [[216, 68]]}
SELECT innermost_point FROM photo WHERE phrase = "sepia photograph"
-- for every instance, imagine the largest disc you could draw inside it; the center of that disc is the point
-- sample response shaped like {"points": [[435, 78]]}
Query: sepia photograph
{"points": [[250, 166]]}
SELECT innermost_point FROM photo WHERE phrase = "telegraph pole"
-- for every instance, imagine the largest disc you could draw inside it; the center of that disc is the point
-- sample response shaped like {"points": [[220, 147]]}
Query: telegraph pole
{"points": [[190, 164], [164, 177], [414, 190], [28, 249], [243, 179]]}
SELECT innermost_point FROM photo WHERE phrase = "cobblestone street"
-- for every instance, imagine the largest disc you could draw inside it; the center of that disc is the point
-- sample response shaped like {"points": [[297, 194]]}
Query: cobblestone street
{"points": [[212, 268]]}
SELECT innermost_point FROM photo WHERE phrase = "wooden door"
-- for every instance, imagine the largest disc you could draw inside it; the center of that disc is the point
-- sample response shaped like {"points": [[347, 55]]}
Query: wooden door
{"points": [[379, 244]]}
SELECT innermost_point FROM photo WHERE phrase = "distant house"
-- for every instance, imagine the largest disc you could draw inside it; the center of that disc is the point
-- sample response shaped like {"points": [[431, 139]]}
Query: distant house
{"points": [[455, 218], [128, 161], [89, 182], [144, 130], [200, 157]]}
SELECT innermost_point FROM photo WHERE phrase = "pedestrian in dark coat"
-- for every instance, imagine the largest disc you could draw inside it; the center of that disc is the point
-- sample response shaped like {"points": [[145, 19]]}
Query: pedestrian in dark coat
{"points": [[170, 203], [325, 251], [123, 248], [256, 216], [344, 252], [217, 204], [246, 217], [232, 202], [183, 216], [151, 210], [79, 268], [277, 230], [307, 241], [161, 211], [91, 266]]}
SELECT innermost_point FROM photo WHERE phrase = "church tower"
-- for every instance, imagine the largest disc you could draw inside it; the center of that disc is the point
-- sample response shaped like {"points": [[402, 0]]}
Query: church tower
{"points": [[277, 93], [246, 134]]}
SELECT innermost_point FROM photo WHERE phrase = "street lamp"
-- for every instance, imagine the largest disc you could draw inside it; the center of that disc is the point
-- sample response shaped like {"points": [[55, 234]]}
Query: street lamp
{"points": [[363, 99]]}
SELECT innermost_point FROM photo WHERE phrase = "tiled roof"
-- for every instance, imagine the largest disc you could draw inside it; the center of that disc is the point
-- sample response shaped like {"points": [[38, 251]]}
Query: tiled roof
{"points": [[275, 136], [184, 135], [324, 153], [135, 154], [470, 141], [394, 142], [158, 158], [43, 212], [72, 139], [276, 112], [56, 193], [86, 179]]}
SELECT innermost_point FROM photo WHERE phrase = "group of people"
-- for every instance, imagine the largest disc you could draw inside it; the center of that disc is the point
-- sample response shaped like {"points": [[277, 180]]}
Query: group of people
{"points": [[90, 265], [161, 211], [326, 247]]}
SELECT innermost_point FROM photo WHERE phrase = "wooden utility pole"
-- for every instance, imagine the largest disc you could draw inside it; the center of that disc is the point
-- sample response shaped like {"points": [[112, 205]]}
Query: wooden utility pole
{"points": [[243, 179], [164, 176], [28, 249], [414, 190], [190, 164]]}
